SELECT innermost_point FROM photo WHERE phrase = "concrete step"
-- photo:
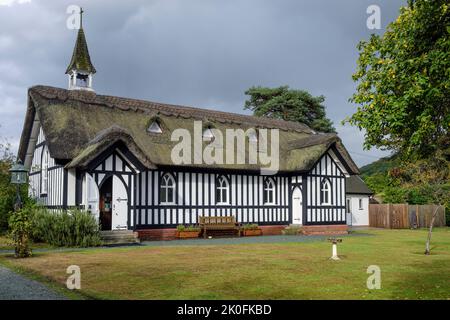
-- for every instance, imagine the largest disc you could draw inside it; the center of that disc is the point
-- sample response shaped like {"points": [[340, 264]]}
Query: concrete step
{"points": [[116, 232], [119, 237]]}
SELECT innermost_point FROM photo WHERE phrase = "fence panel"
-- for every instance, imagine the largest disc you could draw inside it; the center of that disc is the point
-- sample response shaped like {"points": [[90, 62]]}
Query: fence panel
{"points": [[404, 216], [425, 214], [399, 216], [378, 215]]}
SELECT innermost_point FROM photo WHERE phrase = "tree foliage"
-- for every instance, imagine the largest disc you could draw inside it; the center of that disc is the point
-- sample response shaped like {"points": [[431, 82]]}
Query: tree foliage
{"points": [[403, 79], [424, 181], [7, 190], [20, 230], [289, 104]]}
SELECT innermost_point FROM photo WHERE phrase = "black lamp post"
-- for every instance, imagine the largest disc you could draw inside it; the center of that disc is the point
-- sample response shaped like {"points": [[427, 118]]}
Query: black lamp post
{"points": [[18, 176]]}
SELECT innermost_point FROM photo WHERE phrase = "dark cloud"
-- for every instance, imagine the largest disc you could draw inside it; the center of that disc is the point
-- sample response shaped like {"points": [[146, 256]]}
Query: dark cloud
{"points": [[204, 53]]}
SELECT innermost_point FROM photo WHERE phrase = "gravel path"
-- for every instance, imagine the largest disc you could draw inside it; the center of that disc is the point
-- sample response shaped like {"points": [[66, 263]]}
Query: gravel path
{"points": [[15, 287]]}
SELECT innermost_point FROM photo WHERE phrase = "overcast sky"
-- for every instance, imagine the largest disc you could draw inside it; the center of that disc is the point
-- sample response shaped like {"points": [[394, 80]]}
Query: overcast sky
{"points": [[203, 53]]}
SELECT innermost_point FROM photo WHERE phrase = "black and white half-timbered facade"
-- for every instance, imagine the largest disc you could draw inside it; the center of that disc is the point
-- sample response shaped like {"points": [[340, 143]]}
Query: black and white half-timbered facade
{"points": [[114, 157]]}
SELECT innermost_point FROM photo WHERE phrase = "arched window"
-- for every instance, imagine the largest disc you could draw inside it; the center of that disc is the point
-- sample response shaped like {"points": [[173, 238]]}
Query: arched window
{"points": [[222, 190], [269, 191], [44, 170], [167, 189], [325, 192]]}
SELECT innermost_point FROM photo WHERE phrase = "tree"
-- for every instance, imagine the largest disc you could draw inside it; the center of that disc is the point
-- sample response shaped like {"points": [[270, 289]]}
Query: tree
{"points": [[403, 80], [7, 190], [289, 104], [20, 228], [427, 179]]}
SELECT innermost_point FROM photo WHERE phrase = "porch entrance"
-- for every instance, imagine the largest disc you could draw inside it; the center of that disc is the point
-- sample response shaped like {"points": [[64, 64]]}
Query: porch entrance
{"points": [[113, 204], [106, 204]]}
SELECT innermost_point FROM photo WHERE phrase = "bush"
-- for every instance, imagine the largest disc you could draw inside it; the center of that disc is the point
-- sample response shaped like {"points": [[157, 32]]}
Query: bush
{"points": [[250, 226], [187, 228], [20, 227], [71, 228], [8, 199], [395, 195], [291, 231]]}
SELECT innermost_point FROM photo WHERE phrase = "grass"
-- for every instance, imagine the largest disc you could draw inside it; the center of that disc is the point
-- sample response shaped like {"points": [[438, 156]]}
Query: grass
{"points": [[258, 271], [6, 244]]}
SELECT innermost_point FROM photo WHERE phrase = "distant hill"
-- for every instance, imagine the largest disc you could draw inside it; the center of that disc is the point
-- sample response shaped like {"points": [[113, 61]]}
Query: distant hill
{"points": [[375, 175], [380, 166]]}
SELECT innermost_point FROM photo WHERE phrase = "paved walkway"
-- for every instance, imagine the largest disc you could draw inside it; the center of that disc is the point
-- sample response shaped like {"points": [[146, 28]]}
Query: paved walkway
{"points": [[16, 287]]}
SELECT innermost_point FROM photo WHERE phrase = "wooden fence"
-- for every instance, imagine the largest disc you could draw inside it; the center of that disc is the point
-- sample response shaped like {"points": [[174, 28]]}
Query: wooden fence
{"points": [[404, 216]]}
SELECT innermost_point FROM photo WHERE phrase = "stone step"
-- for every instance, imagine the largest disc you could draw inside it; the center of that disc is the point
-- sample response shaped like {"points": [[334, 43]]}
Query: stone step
{"points": [[119, 237], [115, 232]]}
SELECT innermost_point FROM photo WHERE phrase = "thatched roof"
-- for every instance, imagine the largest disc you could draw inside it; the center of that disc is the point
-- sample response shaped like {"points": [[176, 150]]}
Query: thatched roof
{"points": [[79, 125]]}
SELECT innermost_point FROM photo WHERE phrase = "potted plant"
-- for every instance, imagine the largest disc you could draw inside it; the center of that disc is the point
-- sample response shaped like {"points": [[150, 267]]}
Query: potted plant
{"points": [[187, 232], [251, 229]]}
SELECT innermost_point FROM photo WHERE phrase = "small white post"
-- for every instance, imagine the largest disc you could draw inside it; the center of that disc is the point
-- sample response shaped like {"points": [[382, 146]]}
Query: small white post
{"points": [[334, 255]]}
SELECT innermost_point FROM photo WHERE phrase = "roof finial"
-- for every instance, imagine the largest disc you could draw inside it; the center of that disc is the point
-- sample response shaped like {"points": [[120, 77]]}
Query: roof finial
{"points": [[81, 17]]}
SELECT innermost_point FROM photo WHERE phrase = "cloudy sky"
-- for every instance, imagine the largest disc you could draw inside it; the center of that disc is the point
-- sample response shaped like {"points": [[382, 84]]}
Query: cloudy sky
{"points": [[203, 53]]}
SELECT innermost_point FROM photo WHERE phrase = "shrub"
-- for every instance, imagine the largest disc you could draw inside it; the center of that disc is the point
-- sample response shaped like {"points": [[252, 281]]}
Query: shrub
{"points": [[71, 228], [8, 199], [20, 230], [291, 230], [395, 195], [188, 228], [250, 226]]}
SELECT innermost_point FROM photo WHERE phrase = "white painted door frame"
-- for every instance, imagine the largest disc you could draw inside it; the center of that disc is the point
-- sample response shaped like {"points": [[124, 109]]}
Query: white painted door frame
{"points": [[91, 196]]}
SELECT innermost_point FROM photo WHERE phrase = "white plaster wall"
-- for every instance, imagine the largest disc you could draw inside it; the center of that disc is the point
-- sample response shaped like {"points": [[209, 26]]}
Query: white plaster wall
{"points": [[359, 217]]}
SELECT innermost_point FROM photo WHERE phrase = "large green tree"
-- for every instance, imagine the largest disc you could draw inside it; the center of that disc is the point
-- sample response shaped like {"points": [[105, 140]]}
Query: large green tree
{"points": [[403, 80], [289, 104]]}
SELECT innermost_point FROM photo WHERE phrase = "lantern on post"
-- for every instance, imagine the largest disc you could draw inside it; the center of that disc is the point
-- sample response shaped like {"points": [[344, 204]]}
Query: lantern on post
{"points": [[19, 176]]}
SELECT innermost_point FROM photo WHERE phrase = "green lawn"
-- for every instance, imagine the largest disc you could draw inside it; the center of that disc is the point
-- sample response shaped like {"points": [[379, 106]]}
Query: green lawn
{"points": [[6, 244], [259, 271]]}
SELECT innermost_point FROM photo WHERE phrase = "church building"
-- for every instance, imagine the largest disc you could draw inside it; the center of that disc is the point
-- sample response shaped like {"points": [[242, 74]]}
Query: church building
{"points": [[113, 156]]}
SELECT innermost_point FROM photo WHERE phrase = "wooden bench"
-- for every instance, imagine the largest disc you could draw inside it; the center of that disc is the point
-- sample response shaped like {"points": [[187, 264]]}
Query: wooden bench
{"points": [[221, 224]]}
